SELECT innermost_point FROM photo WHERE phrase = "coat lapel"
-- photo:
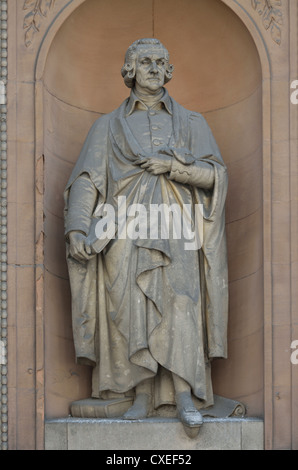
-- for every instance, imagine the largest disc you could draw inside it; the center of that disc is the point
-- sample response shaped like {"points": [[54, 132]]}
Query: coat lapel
{"points": [[122, 136], [124, 139]]}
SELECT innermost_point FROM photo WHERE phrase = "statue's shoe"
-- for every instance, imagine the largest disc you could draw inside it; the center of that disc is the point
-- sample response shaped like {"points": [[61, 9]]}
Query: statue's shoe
{"points": [[139, 409], [135, 413], [192, 421], [189, 416]]}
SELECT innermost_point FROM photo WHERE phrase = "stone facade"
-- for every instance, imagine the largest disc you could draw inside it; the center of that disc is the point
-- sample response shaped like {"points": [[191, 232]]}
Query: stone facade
{"points": [[3, 215], [58, 51]]}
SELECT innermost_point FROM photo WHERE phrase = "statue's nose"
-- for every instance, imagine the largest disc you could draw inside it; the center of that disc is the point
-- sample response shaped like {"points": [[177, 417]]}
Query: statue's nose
{"points": [[154, 67]]}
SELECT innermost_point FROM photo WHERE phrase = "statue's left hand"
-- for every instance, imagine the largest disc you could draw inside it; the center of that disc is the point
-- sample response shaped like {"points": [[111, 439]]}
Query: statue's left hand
{"points": [[157, 166]]}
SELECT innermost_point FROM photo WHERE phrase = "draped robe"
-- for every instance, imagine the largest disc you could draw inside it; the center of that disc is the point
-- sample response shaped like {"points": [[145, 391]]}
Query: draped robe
{"points": [[143, 308]]}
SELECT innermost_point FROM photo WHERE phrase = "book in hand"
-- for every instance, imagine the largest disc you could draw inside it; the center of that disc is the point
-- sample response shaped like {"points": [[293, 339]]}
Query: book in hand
{"points": [[101, 231]]}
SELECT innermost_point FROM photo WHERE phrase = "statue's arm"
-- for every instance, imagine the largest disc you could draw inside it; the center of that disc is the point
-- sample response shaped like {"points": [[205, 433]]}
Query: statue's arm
{"points": [[81, 203], [188, 165], [200, 174], [202, 145]]}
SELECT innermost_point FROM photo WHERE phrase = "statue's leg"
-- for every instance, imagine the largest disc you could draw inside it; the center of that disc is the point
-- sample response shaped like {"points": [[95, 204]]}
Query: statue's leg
{"points": [[142, 402], [187, 412]]}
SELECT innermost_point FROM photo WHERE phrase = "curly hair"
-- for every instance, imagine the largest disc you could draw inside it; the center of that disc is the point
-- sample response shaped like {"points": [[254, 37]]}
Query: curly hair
{"points": [[128, 70]]}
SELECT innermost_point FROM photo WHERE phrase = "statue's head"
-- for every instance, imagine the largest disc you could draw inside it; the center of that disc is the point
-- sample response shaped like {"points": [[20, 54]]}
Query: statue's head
{"points": [[147, 57]]}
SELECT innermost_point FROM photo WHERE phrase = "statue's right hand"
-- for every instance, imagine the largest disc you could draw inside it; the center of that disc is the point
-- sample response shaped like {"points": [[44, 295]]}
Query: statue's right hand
{"points": [[78, 248]]}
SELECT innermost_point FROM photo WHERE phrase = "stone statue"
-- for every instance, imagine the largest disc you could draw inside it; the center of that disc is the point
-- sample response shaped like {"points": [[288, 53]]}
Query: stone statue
{"points": [[149, 302]]}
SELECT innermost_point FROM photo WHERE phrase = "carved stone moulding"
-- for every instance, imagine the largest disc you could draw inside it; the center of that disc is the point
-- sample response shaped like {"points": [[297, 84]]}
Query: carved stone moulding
{"points": [[35, 13], [3, 230], [272, 16]]}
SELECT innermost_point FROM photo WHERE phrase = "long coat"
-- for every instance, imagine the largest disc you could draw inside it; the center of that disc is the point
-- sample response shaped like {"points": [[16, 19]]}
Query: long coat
{"points": [[141, 306]]}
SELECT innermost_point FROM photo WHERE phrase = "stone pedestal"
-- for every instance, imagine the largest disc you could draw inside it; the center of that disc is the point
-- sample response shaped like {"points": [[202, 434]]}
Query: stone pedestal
{"points": [[152, 434]]}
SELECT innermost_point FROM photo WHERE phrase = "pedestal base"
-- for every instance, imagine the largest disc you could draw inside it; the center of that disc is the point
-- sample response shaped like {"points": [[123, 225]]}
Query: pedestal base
{"points": [[152, 434], [116, 407]]}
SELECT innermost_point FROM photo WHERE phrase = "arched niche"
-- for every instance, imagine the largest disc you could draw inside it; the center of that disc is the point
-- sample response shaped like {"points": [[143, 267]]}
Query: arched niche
{"points": [[218, 73]]}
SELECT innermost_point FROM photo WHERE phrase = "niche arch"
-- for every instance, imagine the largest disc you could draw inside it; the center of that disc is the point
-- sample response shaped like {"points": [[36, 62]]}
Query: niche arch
{"points": [[221, 68]]}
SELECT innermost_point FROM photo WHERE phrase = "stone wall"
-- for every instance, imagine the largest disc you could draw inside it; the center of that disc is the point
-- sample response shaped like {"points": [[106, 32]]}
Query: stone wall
{"points": [[3, 224]]}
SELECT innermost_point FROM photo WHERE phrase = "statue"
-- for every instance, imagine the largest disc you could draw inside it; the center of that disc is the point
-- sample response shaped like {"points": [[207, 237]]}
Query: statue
{"points": [[149, 303]]}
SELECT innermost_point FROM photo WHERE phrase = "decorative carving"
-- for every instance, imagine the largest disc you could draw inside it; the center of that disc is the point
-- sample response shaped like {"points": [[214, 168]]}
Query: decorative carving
{"points": [[37, 11], [272, 16], [3, 230]]}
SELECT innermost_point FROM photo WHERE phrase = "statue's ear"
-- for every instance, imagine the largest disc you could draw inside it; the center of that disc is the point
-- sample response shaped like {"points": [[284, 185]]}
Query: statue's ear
{"points": [[169, 72], [129, 69]]}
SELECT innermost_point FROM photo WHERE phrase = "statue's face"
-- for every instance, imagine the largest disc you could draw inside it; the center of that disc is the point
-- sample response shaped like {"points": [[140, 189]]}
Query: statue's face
{"points": [[150, 67]]}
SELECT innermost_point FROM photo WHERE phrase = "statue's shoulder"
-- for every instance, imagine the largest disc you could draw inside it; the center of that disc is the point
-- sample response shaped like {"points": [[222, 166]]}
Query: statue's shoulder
{"points": [[188, 113], [103, 121], [198, 120]]}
